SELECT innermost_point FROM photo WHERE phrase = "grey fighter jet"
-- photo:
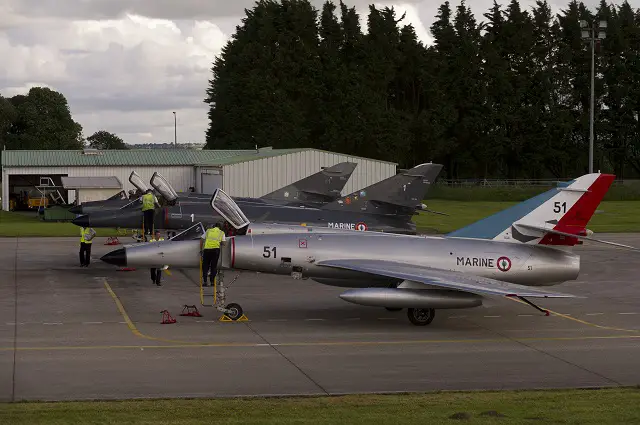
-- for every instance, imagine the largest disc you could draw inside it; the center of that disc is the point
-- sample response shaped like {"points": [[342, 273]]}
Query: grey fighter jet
{"points": [[115, 202], [513, 253], [314, 190], [388, 206]]}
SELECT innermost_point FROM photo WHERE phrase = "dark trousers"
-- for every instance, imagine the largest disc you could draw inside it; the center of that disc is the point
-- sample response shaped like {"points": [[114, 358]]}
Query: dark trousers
{"points": [[85, 253], [156, 276], [148, 222], [210, 261]]}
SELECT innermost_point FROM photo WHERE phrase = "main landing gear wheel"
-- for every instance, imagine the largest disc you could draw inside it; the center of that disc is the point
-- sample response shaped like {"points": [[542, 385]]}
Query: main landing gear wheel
{"points": [[235, 311], [421, 316], [393, 308]]}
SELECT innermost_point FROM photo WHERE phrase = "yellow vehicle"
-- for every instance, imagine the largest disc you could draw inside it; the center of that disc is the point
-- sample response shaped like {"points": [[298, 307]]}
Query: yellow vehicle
{"points": [[35, 200]]}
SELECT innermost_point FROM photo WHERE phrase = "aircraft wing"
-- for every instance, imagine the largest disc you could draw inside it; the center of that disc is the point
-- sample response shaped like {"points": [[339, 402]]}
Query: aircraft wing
{"points": [[443, 278]]}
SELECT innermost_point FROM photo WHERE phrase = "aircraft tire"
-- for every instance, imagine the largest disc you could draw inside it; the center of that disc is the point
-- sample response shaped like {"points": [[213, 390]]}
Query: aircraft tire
{"points": [[421, 316], [393, 308], [236, 311]]}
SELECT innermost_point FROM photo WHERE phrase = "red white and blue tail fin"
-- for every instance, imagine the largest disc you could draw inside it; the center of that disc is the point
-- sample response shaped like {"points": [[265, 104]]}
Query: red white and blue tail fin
{"points": [[558, 217], [563, 218]]}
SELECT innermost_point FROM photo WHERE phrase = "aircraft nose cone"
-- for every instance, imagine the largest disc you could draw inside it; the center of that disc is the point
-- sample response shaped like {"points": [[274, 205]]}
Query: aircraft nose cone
{"points": [[117, 257], [82, 221], [76, 210]]}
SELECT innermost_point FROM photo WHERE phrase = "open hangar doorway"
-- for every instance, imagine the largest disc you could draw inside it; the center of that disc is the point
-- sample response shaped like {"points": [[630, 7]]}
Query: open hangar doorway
{"points": [[26, 191]]}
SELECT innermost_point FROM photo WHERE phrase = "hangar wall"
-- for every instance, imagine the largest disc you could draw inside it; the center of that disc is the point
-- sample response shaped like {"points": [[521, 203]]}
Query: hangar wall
{"points": [[251, 173], [260, 176], [181, 177]]}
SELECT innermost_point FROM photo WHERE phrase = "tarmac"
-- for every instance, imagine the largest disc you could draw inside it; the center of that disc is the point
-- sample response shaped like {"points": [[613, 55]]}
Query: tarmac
{"points": [[69, 333]]}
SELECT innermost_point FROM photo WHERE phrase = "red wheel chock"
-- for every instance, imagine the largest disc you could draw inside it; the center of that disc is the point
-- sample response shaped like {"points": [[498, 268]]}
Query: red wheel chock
{"points": [[191, 310], [166, 318], [112, 241]]}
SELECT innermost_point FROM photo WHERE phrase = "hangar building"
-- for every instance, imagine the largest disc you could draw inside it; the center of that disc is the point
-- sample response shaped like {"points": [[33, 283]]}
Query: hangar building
{"points": [[250, 173]]}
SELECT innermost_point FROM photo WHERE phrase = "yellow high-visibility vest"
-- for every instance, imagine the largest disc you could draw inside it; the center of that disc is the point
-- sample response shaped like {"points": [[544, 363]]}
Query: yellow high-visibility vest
{"points": [[156, 240], [85, 232], [147, 202], [213, 238]]}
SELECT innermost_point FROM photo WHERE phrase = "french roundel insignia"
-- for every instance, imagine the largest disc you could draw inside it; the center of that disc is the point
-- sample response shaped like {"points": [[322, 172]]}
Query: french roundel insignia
{"points": [[504, 264], [361, 227]]}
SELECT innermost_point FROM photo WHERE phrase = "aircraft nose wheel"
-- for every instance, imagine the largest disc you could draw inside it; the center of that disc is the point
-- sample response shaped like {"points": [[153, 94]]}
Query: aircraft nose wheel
{"points": [[234, 311], [421, 316]]}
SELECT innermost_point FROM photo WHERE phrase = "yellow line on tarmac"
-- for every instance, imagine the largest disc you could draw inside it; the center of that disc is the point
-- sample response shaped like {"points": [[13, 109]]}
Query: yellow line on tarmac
{"points": [[184, 344], [316, 344], [584, 322], [123, 312], [133, 327]]}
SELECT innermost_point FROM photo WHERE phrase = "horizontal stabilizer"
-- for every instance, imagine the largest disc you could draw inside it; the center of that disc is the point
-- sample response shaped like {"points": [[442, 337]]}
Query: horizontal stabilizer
{"points": [[443, 278], [546, 230]]}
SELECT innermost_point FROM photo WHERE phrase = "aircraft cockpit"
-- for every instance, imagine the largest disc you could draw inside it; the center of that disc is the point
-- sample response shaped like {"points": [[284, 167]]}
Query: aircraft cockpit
{"points": [[226, 207], [162, 186]]}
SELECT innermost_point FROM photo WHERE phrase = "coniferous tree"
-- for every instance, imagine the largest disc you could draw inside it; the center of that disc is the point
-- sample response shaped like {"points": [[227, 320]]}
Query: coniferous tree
{"points": [[507, 97]]}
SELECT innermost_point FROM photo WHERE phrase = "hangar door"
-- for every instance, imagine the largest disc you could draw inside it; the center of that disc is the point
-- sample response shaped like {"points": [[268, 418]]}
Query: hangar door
{"points": [[210, 181]]}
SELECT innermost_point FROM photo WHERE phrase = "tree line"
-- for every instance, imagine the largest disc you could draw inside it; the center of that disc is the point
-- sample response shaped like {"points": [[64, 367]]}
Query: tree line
{"points": [[41, 119], [503, 96]]}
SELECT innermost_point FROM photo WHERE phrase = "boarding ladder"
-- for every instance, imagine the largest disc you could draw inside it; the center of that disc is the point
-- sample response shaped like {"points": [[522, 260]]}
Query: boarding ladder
{"points": [[215, 296]]}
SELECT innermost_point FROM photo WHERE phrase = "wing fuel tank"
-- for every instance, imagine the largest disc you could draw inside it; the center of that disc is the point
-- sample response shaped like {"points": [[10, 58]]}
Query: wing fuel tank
{"points": [[411, 298]]}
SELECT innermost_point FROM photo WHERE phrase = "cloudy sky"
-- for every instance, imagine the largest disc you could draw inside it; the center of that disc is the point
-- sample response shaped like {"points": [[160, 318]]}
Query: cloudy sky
{"points": [[126, 65]]}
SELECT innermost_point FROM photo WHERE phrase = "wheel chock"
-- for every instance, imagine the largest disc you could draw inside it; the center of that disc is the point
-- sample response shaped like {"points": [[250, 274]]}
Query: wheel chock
{"points": [[191, 310], [225, 318], [166, 318], [112, 241]]}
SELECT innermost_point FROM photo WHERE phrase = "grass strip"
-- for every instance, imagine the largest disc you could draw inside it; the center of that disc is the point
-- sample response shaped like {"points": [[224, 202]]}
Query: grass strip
{"points": [[583, 407]]}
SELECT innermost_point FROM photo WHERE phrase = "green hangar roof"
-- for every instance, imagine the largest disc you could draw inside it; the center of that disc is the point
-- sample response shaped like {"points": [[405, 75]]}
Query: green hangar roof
{"points": [[97, 158], [138, 157]]}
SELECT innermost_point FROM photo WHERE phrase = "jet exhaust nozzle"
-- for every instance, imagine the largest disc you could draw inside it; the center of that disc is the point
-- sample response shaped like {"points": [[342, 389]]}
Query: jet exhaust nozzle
{"points": [[411, 298]]}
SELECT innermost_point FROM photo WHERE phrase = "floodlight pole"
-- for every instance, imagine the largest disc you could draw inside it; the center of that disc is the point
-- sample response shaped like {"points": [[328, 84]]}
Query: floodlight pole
{"points": [[593, 95], [589, 33], [175, 130]]}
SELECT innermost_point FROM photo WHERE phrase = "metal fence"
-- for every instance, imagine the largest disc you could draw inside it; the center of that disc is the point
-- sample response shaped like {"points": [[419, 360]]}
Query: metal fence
{"points": [[517, 182]]}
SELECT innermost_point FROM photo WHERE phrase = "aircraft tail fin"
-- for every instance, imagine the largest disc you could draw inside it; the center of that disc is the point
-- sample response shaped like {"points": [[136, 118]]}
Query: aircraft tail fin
{"points": [[324, 186], [557, 217], [401, 194]]}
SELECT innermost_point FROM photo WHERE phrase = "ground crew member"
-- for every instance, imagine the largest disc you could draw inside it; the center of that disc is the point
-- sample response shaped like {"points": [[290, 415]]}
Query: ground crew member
{"points": [[156, 274], [148, 209], [211, 252], [86, 239]]}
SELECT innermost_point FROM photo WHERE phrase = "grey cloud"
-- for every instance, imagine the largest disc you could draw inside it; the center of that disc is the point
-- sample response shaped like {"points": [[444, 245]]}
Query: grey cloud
{"points": [[163, 9]]}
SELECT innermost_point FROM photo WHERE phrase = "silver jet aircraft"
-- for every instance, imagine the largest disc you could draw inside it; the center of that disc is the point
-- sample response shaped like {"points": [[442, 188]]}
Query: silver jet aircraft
{"points": [[513, 253]]}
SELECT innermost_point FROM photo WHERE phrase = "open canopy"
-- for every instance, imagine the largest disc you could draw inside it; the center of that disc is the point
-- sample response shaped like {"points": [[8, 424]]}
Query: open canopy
{"points": [[228, 209]]}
